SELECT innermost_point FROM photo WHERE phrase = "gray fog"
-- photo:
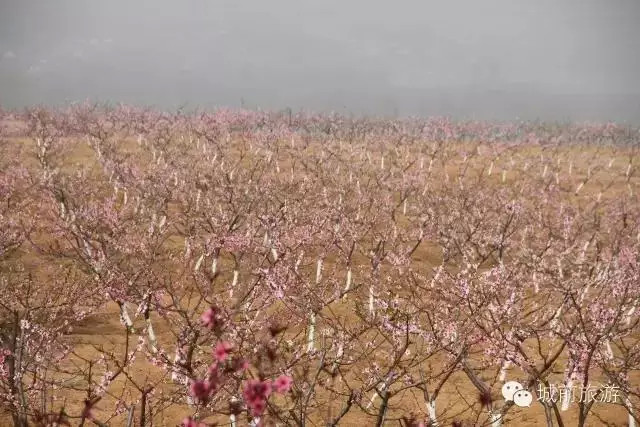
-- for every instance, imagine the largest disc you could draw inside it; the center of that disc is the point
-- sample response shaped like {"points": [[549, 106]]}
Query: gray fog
{"points": [[489, 59]]}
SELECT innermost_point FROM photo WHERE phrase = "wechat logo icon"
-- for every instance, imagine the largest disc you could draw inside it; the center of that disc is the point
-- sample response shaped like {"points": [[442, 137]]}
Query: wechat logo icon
{"points": [[513, 391]]}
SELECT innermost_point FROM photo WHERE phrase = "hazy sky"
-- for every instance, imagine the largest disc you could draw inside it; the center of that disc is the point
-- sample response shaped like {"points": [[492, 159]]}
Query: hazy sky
{"points": [[484, 58]]}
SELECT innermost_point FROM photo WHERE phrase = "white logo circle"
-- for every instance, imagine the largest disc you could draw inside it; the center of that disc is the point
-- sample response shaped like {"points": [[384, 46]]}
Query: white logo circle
{"points": [[509, 389], [523, 398]]}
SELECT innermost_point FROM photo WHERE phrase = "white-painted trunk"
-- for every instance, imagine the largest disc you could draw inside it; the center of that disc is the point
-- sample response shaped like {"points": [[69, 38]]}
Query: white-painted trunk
{"points": [[609, 350], [566, 397], [495, 419], [584, 293], [153, 342], [176, 376], [348, 285], [375, 394], [87, 249], [371, 308], [503, 370], [312, 317], [431, 411], [187, 247], [232, 417], [298, 261], [131, 415], [404, 207], [234, 282], [339, 354], [583, 252], [435, 278], [318, 271], [630, 419], [198, 263], [214, 265], [554, 320], [630, 314], [312, 332], [124, 317], [560, 270]]}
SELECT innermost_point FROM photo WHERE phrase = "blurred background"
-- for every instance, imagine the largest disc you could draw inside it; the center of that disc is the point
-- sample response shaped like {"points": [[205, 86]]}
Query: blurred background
{"points": [[489, 59]]}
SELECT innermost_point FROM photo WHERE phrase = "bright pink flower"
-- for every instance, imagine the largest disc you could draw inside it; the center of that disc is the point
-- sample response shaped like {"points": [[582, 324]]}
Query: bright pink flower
{"points": [[257, 407], [200, 390], [222, 350], [255, 394], [282, 384], [211, 318]]}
